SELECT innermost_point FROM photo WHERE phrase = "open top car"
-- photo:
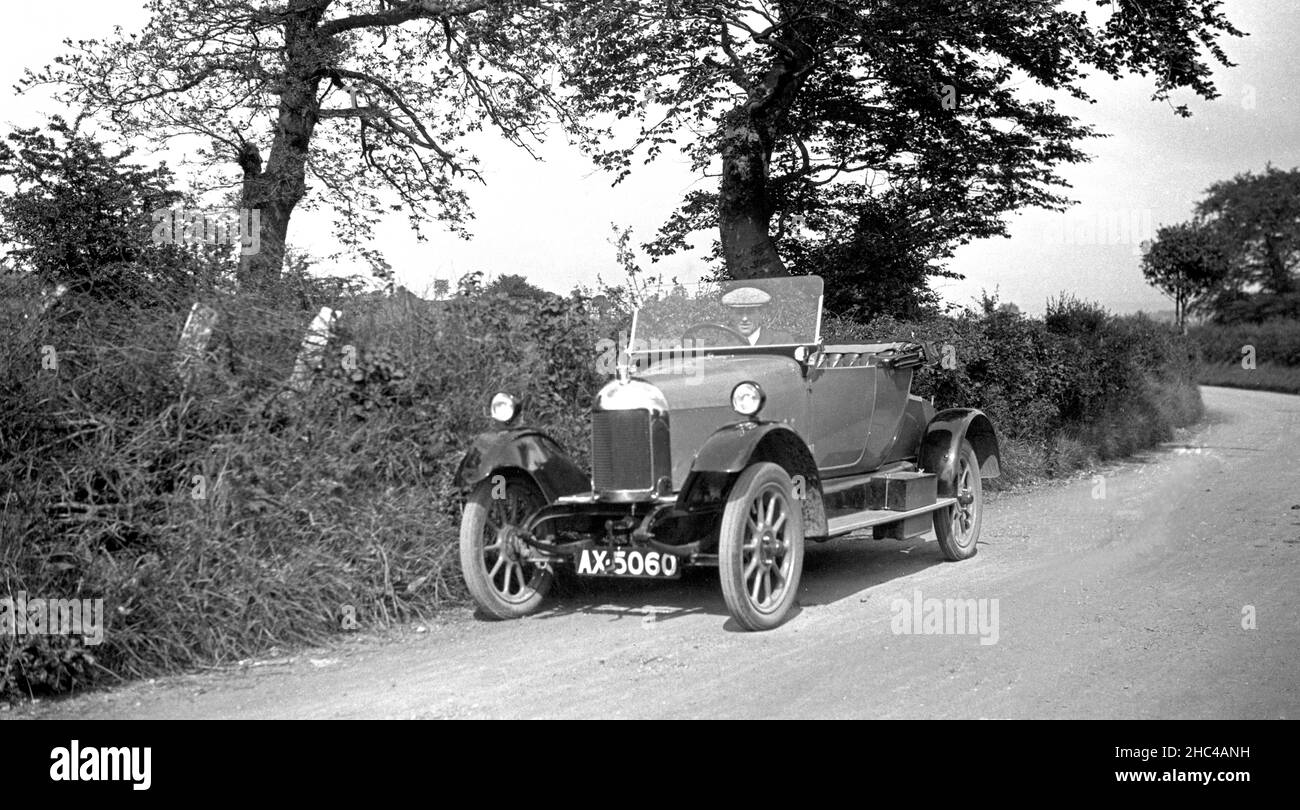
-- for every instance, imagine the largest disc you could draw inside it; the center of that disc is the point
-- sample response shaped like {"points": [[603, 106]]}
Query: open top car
{"points": [[729, 438]]}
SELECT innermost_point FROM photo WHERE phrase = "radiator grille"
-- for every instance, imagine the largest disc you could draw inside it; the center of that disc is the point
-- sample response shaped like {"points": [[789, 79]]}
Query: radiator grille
{"points": [[621, 456]]}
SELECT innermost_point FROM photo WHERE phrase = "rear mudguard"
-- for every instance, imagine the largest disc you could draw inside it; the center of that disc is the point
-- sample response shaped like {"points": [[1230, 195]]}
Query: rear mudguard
{"points": [[943, 439], [529, 451], [733, 448]]}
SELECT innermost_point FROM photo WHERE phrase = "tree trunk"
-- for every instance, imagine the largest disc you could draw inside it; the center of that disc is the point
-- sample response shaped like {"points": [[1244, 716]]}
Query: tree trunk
{"points": [[275, 190], [749, 136], [1278, 276], [744, 209]]}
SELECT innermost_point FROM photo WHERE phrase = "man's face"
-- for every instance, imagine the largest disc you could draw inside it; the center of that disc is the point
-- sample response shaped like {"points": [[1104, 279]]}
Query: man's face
{"points": [[748, 320]]}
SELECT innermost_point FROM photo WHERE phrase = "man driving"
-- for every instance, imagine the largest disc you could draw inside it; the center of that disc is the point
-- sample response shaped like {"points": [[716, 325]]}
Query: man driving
{"points": [[750, 316]]}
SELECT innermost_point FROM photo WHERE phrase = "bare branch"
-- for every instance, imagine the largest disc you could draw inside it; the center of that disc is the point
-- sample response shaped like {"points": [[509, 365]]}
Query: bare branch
{"points": [[423, 138]]}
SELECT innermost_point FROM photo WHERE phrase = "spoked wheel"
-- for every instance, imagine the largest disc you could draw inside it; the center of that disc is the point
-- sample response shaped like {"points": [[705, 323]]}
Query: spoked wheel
{"points": [[503, 583], [760, 547], [958, 526]]}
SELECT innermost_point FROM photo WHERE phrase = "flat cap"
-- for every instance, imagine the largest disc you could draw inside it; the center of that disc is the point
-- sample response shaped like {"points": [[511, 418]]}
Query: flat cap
{"points": [[742, 297]]}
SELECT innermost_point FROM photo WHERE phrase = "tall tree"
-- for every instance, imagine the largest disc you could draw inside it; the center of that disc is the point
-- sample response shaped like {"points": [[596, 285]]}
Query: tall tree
{"points": [[1189, 263], [823, 118], [1258, 216], [364, 101]]}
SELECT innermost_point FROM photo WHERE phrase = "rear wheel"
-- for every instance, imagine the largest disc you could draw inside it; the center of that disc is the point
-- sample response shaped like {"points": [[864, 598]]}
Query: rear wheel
{"points": [[958, 526], [503, 583], [760, 547]]}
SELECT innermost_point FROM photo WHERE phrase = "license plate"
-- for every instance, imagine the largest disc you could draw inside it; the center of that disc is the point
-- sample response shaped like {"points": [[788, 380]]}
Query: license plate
{"points": [[628, 563]]}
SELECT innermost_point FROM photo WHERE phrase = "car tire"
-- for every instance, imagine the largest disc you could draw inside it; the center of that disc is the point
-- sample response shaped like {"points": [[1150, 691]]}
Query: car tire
{"points": [[760, 547], [958, 526], [502, 584]]}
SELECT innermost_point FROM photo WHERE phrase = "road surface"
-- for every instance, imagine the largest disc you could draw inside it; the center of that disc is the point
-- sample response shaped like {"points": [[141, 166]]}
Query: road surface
{"points": [[1166, 587]]}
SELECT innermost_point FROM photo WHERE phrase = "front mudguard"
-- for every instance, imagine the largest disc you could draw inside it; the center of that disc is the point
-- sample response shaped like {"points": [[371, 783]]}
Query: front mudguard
{"points": [[733, 448], [942, 442], [528, 451]]}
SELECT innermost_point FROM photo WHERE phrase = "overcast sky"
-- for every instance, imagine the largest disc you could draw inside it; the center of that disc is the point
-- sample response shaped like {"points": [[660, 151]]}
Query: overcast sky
{"points": [[550, 220]]}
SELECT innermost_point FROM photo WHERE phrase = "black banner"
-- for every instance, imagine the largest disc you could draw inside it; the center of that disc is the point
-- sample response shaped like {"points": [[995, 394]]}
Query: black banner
{"points": [[140, 761]]}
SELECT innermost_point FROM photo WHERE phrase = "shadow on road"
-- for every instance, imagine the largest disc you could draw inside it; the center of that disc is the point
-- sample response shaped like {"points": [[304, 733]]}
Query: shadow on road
{"points": [[832, 571]]}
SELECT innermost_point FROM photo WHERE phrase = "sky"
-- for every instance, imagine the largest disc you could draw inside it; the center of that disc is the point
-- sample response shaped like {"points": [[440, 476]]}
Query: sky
{"points": [[551, 220]]}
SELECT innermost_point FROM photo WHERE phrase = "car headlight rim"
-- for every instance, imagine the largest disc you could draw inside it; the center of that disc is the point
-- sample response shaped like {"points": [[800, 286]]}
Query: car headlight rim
{"points": [[747, 398], [504, 408]]}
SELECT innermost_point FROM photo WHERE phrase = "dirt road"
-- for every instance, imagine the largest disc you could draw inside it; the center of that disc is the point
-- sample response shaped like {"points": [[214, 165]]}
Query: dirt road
{"points": [[1128, 595]]}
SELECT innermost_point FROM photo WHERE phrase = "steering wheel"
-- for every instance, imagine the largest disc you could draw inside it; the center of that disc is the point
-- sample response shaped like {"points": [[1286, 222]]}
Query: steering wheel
{"points": [[722, 327]]}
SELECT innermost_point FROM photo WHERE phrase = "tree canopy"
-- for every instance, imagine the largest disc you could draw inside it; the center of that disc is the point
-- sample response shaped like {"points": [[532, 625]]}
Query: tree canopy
{"points": [[1188, 262], [867, 139], [365, 101], [1258, 219], [1239, 256], [864, 139]]}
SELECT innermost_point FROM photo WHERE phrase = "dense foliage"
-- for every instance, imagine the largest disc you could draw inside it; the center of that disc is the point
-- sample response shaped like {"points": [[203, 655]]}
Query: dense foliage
{"points": [[1275, 342], [78, 215], [864, 141], [1077, 386], [224, 518], [1238, 260], [1258, 218]]}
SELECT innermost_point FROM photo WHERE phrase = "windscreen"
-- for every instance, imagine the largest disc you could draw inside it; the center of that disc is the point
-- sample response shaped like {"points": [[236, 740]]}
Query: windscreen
{"points": [[729, 314]]}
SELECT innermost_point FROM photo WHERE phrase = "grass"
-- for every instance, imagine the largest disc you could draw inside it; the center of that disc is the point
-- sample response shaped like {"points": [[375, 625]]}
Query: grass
{"points": [[1265, 377], [1136, 425]]}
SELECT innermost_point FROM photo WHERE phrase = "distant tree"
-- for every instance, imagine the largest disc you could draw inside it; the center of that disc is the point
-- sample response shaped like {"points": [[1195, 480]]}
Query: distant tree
{"points": [[83, 217], [1258, 217], [1189, 263], [516, 288]]}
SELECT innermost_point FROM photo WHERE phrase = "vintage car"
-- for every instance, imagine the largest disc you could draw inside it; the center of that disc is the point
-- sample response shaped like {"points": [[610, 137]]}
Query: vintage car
{"points": [[729, 437]]}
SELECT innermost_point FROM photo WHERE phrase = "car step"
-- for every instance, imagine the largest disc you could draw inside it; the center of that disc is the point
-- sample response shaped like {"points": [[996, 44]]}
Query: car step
{"points": [[832, 485], [896, 490], [867, 518]]}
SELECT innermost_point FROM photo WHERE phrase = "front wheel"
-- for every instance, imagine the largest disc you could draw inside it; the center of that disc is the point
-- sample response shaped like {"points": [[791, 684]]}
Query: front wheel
{"points": [[958, 526], [760, 547], [503, 583]]}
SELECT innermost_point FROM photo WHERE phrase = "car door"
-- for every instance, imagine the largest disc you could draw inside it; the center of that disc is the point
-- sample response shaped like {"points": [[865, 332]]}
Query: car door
{"points": [[857, 410], [843, 398]]}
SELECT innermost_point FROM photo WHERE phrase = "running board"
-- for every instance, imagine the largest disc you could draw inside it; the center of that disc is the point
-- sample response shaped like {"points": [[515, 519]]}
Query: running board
{"points": [[867, 518], [830, 486]]}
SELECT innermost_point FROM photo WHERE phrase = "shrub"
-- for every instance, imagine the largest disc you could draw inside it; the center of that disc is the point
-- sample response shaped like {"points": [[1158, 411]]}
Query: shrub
{"points": [[1077, 386], [1276, 342], [227, 518]]}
